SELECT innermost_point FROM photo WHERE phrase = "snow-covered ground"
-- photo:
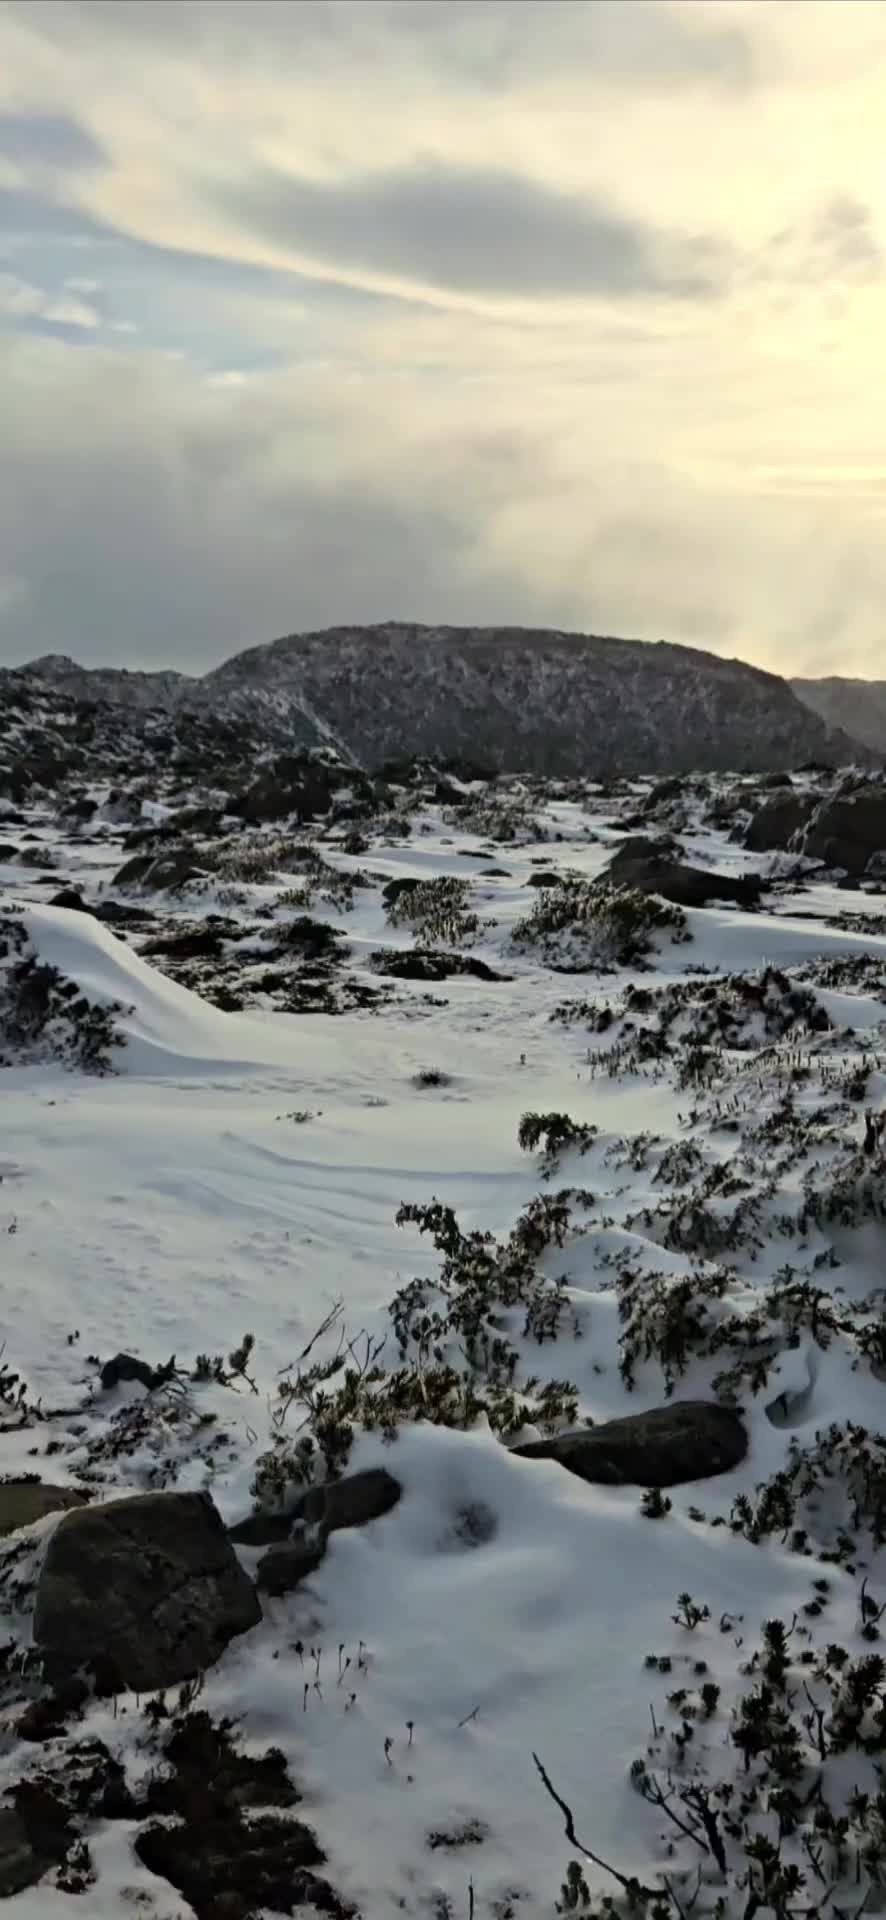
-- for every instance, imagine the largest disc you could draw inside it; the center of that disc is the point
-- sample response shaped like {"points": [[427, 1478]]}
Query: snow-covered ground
{"points": [[242, 1172]]}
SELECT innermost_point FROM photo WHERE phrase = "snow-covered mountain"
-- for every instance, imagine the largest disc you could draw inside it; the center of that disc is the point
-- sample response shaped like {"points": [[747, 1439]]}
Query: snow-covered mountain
{"points": [[509, 698], [858, 706]]}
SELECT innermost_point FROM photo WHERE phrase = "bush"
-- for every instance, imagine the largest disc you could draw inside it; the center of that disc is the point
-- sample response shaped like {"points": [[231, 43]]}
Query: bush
{"points": [[437, 909], [582, 924]]}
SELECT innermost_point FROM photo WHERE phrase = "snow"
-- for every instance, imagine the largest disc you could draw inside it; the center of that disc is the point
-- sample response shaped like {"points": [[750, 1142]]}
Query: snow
{"points": [[174, 1205]]}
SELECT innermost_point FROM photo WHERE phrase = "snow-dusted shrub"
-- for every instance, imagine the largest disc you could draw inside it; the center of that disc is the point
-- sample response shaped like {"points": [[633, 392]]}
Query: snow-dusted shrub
{"points": [[583, 924], [437, 910], [44, 1016], [555, 1133]]}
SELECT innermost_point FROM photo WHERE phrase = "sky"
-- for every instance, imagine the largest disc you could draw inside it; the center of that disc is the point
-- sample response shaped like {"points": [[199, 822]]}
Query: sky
{"points": [[476, 311]]}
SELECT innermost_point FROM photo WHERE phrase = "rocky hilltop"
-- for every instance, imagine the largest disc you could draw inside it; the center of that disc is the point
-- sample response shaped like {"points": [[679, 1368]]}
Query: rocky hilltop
{"points": [[508, 698]]}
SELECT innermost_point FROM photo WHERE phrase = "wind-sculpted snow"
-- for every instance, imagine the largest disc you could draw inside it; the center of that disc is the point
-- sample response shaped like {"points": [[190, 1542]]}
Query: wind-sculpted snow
{"points": [[460, 1206]]}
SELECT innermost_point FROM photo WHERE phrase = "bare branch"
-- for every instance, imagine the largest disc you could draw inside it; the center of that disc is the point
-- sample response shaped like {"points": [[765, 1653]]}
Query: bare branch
{"points": [[633, 1888]]}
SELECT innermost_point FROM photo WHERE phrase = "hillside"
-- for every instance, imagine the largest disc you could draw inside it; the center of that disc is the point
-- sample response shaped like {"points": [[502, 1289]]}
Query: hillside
{"points": [[859, 706], [509, 698]]}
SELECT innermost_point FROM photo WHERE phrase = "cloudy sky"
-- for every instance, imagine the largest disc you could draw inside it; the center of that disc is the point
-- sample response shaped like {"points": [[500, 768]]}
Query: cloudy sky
{"points": [[566, 314]]}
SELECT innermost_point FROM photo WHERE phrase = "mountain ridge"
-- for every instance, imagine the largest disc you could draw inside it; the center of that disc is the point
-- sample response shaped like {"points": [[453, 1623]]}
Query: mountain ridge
{"points": [[514, 698], [856, 705]]}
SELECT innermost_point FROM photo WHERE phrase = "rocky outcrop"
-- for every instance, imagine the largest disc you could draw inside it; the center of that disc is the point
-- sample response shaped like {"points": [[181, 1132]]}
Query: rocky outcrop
{"points": [[651, 868], [848, 829], [775, 823], [688, 1440], [146, 1591]]}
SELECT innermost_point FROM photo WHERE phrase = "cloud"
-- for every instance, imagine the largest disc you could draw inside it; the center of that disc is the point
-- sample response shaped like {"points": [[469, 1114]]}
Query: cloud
{"points": [[475, 230], [52, 143], [490, 46], [19, 301], [153, 517]]}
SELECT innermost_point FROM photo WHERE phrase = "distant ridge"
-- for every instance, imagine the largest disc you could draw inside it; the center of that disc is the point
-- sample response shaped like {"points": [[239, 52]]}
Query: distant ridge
{"points": [[512, 698]]}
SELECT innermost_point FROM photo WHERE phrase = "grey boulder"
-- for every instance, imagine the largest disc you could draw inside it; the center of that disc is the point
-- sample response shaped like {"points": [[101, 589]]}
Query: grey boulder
{"points": [[686, 1440], [774, 824], [848, 829], [351, 1502], [147, 1591], [24, 1501]]}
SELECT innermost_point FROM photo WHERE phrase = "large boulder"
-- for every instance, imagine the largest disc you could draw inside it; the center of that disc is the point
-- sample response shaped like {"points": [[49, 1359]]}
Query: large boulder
{"points": [[686, 1440], [774, 824], [848, 829], [651, 868], [147, 1591], [24, 1501]]}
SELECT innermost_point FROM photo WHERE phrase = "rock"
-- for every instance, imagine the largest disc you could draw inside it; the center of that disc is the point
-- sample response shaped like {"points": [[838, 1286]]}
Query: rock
{"points": [[775, 823], [686, 1440], [295, 784], [72, 900], [126, 1367], [351, 1502], [160, 873], [202, 942], [35, 1835], [24, 1501], [283, 1568], [423, 963], [663, 793], [640, 863], [147, 1590], [847, 829], [20, 1865]]}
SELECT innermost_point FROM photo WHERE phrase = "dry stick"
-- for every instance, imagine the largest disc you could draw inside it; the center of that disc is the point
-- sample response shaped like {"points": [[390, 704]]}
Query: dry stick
{"points": [[334, 1312], [632, 1887]]}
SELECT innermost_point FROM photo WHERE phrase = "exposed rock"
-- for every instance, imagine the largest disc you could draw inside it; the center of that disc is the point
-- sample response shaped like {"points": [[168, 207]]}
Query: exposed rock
{"points": [[147, 1591], [201, 942], [126, 1367], [423, 963], [24, 1501], [663, 793], [775, 823], [847, 829], [72, 900], [686, 1440], [351, 1502], [159, 873], [283, 1568], [33, 1838], [656, 872], [297, 785]]}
